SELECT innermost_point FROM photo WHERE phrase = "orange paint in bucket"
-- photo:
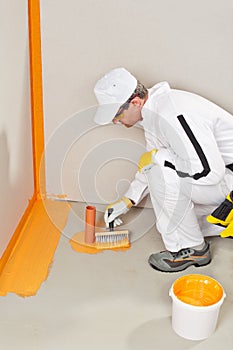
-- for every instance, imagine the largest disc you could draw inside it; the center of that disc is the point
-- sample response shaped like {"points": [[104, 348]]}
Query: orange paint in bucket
{"points": [[196, 304], [198, 290]]}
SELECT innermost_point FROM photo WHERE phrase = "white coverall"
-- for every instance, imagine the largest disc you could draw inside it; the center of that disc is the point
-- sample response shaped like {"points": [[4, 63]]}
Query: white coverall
{"points": [[191, 175]]}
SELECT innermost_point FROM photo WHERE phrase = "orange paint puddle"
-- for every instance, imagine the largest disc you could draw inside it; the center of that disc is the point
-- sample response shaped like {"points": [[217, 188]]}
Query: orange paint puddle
{"points": [[30, 260], [78, 244]]}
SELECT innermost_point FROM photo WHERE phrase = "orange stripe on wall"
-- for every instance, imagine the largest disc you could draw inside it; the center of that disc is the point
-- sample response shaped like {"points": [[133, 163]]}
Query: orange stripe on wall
{"points": [[37, 120], [27, 236], [36, 96]]}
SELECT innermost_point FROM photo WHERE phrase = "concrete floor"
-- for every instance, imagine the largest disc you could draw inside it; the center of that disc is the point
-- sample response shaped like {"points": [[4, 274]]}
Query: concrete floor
{"points": [[112, 301]]}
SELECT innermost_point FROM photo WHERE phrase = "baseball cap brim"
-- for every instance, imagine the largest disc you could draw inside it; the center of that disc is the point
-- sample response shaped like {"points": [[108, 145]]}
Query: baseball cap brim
{"points": [[106, 112]]}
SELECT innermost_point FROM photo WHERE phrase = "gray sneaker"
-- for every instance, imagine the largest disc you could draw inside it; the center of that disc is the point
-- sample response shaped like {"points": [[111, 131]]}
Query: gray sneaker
{"points": [[173, 262]]}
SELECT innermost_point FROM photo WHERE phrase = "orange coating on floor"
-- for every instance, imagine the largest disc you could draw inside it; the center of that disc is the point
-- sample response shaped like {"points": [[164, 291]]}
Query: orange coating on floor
{"points": [[30, 260]]}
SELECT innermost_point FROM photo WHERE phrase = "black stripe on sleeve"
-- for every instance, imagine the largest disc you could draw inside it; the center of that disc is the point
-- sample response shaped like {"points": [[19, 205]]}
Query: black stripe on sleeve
{"points": [[230, 166], [198, 149]]}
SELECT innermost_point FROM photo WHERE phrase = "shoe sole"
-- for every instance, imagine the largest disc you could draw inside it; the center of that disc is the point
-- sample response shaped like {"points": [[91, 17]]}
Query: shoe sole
{"points": [[172, 271]]}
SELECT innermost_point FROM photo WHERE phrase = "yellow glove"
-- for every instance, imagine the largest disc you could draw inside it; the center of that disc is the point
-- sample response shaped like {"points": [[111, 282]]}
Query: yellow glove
{"points": [[228, 231], [146, 161], [120, 207], [223, 216]]}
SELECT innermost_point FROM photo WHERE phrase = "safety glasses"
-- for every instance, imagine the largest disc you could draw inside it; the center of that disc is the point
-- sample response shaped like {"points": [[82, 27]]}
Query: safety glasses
{"points": [[119, 115]]}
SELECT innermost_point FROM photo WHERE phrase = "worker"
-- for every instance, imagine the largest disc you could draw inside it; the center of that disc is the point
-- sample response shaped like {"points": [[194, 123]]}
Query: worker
{"points": [[187, 169]]}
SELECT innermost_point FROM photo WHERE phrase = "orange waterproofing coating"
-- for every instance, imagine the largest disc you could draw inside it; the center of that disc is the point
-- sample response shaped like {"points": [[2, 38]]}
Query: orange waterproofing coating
{"points": [[16, 235], [25, 263], [37, 120], [90, 224], [198, 290], [78, 244], [28, 264], [36, 97]]}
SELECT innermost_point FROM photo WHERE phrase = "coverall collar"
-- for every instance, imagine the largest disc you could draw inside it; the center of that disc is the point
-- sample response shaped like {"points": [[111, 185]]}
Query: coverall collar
{"points": [[155, 92]]}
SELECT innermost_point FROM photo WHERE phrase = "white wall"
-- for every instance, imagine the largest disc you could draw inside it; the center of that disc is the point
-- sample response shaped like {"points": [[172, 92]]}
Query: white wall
{"points": [[187, 43], [16, 175]]}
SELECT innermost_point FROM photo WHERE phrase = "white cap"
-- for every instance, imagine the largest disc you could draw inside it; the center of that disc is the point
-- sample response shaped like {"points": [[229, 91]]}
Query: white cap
{"points": [[111, 91]]}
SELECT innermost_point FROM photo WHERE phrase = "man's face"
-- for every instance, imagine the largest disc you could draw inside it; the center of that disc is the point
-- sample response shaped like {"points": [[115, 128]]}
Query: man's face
{"points": [[128, 114]]}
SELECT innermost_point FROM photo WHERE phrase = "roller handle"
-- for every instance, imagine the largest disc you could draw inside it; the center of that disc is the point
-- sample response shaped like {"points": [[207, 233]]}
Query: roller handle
{"points": [[111, 224]]}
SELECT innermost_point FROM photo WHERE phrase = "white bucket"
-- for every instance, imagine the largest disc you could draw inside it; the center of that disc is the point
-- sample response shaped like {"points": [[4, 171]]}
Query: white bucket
{"points": [[196, 303]]}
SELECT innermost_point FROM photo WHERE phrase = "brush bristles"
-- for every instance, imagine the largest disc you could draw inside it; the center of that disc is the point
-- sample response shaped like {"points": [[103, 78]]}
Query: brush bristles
{"points": [[111, 239]]}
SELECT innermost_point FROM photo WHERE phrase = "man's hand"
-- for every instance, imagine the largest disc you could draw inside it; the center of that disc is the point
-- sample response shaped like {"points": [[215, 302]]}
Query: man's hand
{"points": [[146, 161], [223, 216], [120, 207]]}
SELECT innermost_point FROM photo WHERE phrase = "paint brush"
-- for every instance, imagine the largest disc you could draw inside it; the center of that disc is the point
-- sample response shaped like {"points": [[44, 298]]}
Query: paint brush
{"points": [[112, 238]]}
